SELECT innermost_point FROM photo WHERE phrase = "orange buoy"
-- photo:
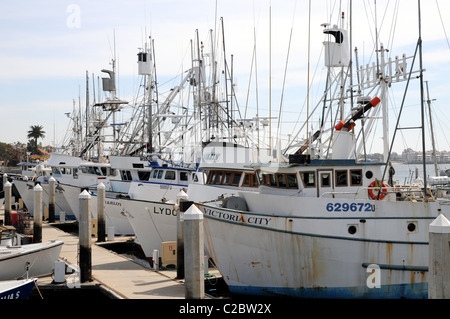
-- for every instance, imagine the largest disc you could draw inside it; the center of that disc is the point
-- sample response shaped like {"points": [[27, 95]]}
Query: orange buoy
{"points": [[377, 190]]}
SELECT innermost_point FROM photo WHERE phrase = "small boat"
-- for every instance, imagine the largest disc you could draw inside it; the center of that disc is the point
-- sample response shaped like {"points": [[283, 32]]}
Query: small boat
{"points": [[17, 289], [23, 261]]}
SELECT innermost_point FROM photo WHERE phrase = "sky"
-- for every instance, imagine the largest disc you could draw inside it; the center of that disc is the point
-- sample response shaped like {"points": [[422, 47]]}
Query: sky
{"points": [[47, 46]]}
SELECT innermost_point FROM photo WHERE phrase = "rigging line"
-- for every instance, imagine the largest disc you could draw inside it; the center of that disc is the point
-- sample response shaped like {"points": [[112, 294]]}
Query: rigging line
{"points": [[250, 80], [393, 26], [285, 72], [307, 94], [401, 109], [371, 34], [441, 126], [442, 22], [270, 77]]}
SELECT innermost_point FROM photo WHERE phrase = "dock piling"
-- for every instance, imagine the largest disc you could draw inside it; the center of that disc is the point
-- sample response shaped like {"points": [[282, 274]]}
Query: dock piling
{"points": [[85, 261], [37, 214], [155, 259], [101, 194], [194, 253], [7, 187], [439, 259], [183, 205], [51, 199]]}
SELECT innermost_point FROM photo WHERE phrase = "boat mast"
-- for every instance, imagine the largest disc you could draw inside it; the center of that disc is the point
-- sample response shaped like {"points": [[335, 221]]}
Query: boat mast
{"points": [[422, 109], [436, 170]]}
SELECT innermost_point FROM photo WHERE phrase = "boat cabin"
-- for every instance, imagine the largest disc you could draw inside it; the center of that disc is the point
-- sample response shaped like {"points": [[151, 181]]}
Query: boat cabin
{"points": [[231, 178], [173, 175], [322, 178], [90, 174]]}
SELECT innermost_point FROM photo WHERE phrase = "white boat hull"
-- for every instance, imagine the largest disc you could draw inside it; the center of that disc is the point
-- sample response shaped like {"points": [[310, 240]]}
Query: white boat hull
{"points": [[152, 222], [16, 289], [113, 209], [309, 252], [25, 189], [39, 258]]}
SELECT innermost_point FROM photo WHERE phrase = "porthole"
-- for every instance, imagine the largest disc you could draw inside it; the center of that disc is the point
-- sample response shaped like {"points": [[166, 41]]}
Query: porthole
{"points": [[412, 227], [369, 174], [352, 229]]}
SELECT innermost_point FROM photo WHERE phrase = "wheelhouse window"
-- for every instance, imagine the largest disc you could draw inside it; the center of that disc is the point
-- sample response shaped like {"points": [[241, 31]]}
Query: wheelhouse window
{"points": [[183, 176], [217, 177], [157, 173], [269, 180], [143, 175], [309, 179], [325, 179], [170, 175], [236, 178], [341, 178], [280, 180], [355, 177], [292, 180], [249, 180], [126, 175]]}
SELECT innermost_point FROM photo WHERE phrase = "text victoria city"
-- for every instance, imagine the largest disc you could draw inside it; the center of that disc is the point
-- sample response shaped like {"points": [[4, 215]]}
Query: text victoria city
{"points": [[237, 217]]}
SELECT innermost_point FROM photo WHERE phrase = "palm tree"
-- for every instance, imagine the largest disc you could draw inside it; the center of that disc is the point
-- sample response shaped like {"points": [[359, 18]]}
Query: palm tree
{"points": [[36, 132]]}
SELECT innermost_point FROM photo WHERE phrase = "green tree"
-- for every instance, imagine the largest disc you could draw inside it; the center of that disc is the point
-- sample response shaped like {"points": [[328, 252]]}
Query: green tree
{"points": [[35, 132]]}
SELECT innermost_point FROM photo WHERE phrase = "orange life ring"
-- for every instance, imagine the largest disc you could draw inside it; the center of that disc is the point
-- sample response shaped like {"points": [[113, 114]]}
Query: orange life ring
{"points": [[377, 190]]}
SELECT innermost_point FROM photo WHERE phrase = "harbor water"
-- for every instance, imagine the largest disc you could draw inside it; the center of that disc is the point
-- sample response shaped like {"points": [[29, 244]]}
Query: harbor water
{"points": [[406, 173]]}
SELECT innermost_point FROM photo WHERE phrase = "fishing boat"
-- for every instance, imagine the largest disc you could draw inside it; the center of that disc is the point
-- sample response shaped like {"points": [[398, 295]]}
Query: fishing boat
{"points": [[23, 261], [62, 167], [150, 207], [113, 209], [325, 223], [17, 289], [151, 211]]}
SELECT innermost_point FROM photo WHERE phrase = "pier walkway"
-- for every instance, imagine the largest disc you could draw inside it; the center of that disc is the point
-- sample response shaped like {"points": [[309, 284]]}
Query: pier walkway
{"points": [[125, 278]]}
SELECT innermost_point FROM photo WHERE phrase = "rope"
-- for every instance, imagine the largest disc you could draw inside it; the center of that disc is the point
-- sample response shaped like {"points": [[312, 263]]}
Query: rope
{"points": [[38, 289], [442, 22]]}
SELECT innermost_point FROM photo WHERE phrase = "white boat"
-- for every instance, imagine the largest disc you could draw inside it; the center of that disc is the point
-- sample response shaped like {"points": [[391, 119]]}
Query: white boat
{"points": [[64, 168], [23, 261], [150, 209], [17, 289], [113, 209], [164, 183], [153, 222], [130, 168], [25, 189], [325, 225], [152, 213], [322, 245]]}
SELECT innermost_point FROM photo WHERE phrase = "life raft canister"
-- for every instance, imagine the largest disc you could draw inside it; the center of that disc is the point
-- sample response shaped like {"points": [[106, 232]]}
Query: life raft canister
{"points": [[377, 190]]}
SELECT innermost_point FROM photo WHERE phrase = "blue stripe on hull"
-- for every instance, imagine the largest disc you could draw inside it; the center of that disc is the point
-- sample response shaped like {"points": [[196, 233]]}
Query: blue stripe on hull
{"points": [[408, 291]]}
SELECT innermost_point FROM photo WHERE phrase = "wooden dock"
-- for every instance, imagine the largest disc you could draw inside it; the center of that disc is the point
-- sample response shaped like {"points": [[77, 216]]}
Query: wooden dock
{"points": [[121, 276]]}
